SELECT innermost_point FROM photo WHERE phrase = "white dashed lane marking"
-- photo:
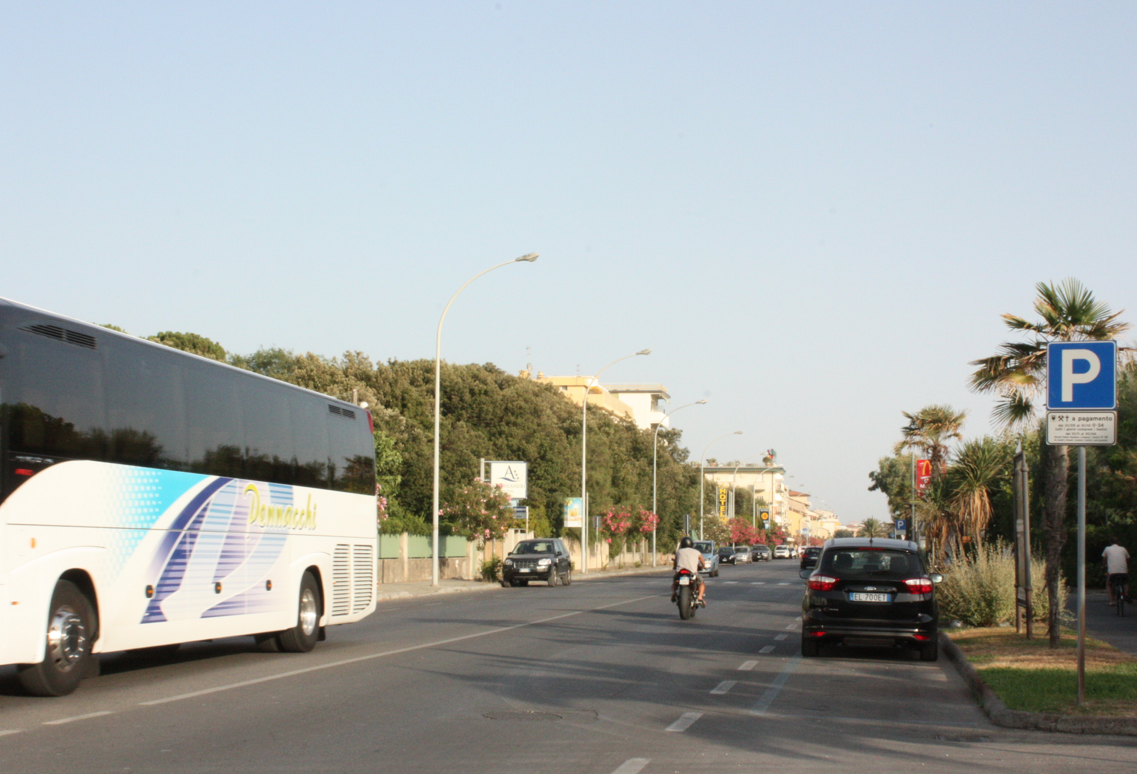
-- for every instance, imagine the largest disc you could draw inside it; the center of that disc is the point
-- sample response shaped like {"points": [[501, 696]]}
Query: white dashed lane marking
{"points": [[632, 766], [771, 693], [747, 666], [723, 687], [781, 636], [685, 722], [767, 649], [61, 721]]}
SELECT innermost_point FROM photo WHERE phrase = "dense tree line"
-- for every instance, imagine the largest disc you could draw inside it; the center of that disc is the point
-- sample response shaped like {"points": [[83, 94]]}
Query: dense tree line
{"points": [[487, 414]]}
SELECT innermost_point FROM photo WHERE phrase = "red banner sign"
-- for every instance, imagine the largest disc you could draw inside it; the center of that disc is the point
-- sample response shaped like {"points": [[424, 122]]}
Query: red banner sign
{"points": [[923, 476]]}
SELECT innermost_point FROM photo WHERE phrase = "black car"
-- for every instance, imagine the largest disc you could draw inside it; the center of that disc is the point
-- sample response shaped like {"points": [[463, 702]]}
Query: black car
{"points": [[726, 555], [760, 552], [873, 592], [544, 559], [809, 556]]}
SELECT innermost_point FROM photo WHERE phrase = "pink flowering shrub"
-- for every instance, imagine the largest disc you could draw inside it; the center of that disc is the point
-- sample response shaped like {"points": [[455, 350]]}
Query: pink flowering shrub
{"points": [[380, 506], [478, 510]]}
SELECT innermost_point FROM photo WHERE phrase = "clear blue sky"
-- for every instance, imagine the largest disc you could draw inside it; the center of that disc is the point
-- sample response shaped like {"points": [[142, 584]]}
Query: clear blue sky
{"points": [[813, 213]]}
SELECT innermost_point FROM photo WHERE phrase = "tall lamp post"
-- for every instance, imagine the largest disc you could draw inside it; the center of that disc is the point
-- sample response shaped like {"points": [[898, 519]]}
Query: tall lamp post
{"points": [[702, 478], [584, 456], [654, 457], [529, 257]]}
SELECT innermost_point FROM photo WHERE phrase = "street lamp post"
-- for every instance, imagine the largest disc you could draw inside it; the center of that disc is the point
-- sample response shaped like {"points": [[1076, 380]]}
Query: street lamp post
{"points": [[584, 456], [529, 257], [702, 478], [654, 457]]}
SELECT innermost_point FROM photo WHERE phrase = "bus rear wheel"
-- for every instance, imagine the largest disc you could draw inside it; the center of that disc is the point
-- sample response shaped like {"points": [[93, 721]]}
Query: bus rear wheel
{"points": [[70, 632], [303, 637]]}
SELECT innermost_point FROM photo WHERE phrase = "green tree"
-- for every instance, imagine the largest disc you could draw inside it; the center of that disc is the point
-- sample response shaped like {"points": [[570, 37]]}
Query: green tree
{"points": [[191, 342], [929, 430], [1017, 375], [871, 528], [977, 471]]}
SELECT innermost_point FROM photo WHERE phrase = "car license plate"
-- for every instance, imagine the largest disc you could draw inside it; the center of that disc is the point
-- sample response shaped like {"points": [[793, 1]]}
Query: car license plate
{"points": [[684, 581], [864, 596], [524, 569]]}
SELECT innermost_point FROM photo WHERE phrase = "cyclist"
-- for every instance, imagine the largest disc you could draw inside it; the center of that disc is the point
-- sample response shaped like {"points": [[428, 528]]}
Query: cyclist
{"points": [[1116, 561], [689, 558]]}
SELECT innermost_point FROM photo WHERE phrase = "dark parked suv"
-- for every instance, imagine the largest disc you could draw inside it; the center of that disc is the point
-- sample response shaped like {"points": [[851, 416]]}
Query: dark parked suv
{"points": [[870, 591], [544, 559]]}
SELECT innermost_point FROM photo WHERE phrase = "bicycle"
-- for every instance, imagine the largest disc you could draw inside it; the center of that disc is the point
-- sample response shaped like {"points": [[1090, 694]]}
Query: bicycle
{"points": [[1120, 587]]}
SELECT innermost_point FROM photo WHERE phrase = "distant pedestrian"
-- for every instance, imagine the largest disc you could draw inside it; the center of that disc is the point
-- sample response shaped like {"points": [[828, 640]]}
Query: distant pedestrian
{"points": [[1115, 560]]}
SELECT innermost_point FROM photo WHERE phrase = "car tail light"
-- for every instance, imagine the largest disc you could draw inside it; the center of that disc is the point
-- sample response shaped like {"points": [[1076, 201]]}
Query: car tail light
{"points": [[919, 585], [821, 583]]}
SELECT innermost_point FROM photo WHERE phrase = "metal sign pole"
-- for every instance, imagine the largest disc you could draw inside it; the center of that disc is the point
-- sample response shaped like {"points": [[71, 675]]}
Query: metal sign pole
{"points": [[1081, 575]]}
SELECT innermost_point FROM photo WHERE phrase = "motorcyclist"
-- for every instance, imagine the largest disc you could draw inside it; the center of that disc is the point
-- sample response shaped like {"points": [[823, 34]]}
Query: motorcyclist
{"points": [[689, 558]]}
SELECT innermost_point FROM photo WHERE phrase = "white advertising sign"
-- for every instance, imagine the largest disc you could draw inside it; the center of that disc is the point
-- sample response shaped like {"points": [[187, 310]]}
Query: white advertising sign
{"points": [[1081, 428], [513, 477]]}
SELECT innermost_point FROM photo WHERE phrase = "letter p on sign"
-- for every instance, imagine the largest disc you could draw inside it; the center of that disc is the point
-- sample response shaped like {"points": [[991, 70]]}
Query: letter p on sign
{"points": [[1082, 375]]}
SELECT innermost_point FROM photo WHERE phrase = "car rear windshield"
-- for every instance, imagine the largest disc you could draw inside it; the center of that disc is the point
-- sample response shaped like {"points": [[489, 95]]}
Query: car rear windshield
{"points": [[704, 545], [534, 547], [871, 561]]}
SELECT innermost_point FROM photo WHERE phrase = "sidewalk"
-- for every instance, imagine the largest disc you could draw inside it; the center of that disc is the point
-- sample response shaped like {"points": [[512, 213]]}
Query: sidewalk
{"points": [[391, 591]]}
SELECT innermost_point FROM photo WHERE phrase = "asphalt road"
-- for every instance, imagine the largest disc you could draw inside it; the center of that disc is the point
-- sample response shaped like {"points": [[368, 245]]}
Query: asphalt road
{"points": [[597, 677]]}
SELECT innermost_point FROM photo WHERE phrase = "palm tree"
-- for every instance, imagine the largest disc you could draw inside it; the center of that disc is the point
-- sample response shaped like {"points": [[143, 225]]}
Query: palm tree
{"points": [[1017, 374], [977, 469], [871, 528], [929, 430]]}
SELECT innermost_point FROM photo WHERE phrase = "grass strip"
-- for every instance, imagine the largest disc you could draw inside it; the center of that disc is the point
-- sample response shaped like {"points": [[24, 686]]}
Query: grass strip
{"points": [[1028, 675]]}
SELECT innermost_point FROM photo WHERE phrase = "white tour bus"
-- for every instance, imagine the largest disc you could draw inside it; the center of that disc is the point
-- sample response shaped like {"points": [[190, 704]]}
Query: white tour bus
{"points": [[150, 497]]}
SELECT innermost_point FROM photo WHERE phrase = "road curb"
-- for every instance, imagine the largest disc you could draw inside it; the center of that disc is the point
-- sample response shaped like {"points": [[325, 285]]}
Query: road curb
{"points": [[1000, 715]]}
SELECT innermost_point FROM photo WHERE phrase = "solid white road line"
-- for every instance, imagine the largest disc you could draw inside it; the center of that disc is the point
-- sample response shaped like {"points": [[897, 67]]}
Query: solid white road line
{"points": [[77, 717], [747, 666], [384, 654], [632, 766], [724, 686], [685, 722], [771, 693], [767, 649]]}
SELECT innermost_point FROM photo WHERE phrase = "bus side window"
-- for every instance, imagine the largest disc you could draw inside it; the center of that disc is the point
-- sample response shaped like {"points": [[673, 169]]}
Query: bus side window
{"points": [[215, 422], [145, 407], [310, 435], [268, 419], [56, 405]]}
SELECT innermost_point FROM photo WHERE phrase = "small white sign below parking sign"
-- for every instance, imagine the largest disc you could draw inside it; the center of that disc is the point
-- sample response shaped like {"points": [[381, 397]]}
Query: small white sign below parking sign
{"points": [[1081, 428]]}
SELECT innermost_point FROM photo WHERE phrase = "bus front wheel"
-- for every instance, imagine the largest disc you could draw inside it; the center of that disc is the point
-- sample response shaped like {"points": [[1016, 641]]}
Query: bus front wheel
{"points": [[302, 637], [70, 632]]}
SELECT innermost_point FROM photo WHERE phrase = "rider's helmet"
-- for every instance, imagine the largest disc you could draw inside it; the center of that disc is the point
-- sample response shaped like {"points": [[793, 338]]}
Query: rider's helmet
{"points": [[686, 542]]}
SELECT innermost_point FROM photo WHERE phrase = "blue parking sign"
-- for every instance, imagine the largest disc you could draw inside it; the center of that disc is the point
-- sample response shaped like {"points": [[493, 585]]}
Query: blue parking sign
{"points": [[1081, 375]]}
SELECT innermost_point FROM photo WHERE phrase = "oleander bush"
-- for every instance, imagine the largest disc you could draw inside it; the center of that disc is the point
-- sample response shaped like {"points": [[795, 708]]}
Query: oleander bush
{"points": [[979, 588]]}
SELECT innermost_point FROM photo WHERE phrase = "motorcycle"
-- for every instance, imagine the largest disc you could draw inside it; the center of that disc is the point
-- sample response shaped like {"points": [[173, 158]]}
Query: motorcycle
{"points": [[687, 597]]}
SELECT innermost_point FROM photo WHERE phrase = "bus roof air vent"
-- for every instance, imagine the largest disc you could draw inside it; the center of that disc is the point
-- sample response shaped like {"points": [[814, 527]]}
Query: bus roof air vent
{"points": [[338, 411], [62, 334]]}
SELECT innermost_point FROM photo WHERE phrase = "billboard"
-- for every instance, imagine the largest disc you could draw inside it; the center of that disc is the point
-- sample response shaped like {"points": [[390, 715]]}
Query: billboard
{"points": [[574, 512], [513, 477]]}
